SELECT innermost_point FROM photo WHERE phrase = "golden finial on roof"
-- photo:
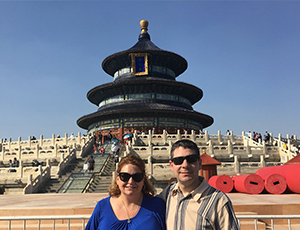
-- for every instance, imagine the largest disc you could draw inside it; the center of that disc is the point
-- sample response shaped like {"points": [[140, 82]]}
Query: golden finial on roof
{"points": [[144, 26]]}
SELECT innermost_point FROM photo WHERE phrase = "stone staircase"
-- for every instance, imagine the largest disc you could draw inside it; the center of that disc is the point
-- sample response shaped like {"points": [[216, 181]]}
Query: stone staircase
{"points": [[54, 184], [100, 182], [74, 178], [78, 181]]}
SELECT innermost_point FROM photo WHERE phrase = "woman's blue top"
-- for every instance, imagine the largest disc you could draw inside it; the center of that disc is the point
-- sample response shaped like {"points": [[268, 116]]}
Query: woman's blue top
{"points": [[151, 216]]}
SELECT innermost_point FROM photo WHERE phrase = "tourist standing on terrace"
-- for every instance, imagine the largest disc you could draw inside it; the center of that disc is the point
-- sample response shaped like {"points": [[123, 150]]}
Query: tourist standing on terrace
{"points": [[16, 163], [131, 204], [91, 163], [191, 203], [267, 137], [11, 164]]}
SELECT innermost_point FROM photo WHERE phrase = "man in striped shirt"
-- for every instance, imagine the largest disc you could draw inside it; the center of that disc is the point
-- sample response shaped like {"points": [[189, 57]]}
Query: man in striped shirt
{"points": [[191, 203]]}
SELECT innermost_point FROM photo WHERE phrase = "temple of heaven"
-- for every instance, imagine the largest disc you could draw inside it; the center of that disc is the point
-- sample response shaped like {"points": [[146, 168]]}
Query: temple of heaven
{"points": [[144, 94]]}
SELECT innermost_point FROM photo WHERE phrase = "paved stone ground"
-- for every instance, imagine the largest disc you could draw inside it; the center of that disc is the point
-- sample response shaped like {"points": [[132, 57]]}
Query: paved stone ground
{"points": [[89, 200]]}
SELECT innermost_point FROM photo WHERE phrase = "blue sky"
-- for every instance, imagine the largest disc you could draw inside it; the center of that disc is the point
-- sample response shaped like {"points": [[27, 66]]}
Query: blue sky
{"points": [[244, 55]]}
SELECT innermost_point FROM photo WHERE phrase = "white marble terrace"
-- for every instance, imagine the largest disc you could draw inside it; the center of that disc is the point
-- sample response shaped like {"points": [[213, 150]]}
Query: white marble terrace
{"points": [[54, 154], [238, 154]]}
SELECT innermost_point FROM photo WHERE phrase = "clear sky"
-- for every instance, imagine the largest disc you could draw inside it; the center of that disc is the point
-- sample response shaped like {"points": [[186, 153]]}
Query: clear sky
{"points": [[244, 55]]}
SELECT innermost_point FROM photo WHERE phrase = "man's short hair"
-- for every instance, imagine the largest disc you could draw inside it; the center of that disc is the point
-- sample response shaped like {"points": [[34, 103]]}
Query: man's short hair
{"points": [[186, 144]]}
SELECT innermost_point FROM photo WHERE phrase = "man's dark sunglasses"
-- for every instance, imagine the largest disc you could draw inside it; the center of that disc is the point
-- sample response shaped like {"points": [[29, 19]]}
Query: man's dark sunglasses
{"points": [[137, 177], [190, 159]]}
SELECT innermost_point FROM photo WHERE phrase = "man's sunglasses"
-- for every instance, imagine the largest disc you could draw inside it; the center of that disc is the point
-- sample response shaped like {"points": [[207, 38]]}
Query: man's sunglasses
{"points": [[137, 177], [190, 159]]}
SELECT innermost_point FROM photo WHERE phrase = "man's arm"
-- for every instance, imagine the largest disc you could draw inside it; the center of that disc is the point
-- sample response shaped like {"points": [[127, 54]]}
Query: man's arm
{"points": [[226, 218]]}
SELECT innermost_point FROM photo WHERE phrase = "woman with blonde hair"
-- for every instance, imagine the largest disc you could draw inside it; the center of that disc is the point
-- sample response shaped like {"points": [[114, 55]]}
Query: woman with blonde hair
{"points": [[131, 203]]}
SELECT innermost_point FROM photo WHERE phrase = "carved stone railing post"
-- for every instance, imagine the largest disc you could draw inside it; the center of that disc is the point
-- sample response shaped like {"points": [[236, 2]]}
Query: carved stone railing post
{"points": [[74, 149], [237, 166], [62, 157], [150, 166], [21, 169], [40, 173], [134, 138], [29, 141], [41, 140], [210, 147], [220, 139], [165, 137], [262, 162], [289, 149], [19, 141], [151, 150], [230, 147], [170, 146], [279, 140], [206, 136], [20, 152], [66, 139], [193, 135], [56, 150], [178, 135], [9, 143], [53, 139], [248, 148], [29, 191], [150, 136], [231, 137]]}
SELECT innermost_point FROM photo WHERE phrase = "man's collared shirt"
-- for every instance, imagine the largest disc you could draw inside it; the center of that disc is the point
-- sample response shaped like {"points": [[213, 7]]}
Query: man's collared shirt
{"points": [[203, 208]]}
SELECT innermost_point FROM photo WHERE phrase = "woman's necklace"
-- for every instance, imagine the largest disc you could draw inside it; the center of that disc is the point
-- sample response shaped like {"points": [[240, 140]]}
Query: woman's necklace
{"points": [[128, 218], [134, 210]]}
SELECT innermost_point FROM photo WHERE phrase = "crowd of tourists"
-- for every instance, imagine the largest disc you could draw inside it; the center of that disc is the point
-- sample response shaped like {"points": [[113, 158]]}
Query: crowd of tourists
{"points": [[258, 137]]}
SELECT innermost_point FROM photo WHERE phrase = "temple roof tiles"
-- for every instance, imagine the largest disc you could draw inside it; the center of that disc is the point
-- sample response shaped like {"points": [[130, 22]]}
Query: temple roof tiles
{"points": [[122, 59]]}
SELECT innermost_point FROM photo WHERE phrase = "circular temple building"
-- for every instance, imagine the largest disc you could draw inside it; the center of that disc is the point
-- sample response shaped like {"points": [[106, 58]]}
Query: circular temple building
{"points": [[144, 94]]}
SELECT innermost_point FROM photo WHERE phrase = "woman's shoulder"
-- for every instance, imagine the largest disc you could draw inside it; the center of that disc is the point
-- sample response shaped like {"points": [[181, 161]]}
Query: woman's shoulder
{"points": [[104, 201]]}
